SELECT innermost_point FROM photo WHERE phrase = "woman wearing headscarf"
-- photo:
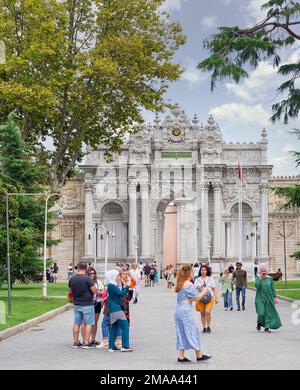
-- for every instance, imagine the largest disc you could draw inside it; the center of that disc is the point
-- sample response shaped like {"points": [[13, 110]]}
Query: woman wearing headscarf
{"points": [[117, 315], [265, 301]]}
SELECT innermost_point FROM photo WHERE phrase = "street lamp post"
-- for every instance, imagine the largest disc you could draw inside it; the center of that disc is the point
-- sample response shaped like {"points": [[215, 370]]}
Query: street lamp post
{"points": [[209, 238], [108, 234], [136, 239], [285, 257], [45, 283], [74, 237], [8, 258], [96, 230]]}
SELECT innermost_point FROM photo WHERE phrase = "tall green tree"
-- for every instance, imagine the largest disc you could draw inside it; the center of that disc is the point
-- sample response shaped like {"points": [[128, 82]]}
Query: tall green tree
{"points": [[235, 50], [80, 72], [291, 194], [20, 174]]}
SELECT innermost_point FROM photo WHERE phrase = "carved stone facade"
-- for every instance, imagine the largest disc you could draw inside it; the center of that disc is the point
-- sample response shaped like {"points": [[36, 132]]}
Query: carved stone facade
{"points": [[181, 161], [283, 224]]}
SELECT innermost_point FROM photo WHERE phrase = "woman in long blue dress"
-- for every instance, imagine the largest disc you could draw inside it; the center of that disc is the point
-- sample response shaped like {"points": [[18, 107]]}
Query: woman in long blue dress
{"points": [[188, 333]]}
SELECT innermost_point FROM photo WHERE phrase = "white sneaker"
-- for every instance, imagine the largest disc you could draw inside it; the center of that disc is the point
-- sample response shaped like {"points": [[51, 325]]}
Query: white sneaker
{"points": [[127, 349], [102, 345]]}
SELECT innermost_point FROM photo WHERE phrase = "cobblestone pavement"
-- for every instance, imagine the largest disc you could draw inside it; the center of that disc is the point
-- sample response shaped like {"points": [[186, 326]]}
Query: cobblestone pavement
{"points": [[234, 343]]}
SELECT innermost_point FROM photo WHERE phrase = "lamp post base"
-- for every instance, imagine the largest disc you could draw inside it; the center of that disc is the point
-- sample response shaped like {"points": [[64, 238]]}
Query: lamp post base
{"points": [[44, 296]]}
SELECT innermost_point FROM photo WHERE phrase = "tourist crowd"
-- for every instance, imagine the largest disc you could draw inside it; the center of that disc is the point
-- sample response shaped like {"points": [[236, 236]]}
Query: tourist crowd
{"points": [[194, 283]]}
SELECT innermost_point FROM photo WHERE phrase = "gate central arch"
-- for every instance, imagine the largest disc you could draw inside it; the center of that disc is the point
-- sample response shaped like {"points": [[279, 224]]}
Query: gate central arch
{"points": [[178, 160]]}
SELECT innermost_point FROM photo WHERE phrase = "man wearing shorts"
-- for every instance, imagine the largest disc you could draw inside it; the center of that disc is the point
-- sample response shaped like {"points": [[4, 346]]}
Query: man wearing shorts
{"points": [[83, 290]]}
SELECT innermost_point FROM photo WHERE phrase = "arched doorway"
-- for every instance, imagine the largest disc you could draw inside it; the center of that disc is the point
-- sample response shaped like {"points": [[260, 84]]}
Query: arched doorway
{"points": [[170, 236], [166, 233], [249, 236], [112, 219]]}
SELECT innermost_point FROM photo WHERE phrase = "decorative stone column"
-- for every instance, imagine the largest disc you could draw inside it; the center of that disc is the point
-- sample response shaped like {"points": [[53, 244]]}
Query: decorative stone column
{"points": [[264, 255], [217, 253], [204, 222], [132, 228], [228, 243], [89, 225], [146, 225], [187, 233]]}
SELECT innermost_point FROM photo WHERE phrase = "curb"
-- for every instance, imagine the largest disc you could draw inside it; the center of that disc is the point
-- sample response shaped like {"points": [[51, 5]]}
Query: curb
{"points": [[5, 334], [284, 299]]}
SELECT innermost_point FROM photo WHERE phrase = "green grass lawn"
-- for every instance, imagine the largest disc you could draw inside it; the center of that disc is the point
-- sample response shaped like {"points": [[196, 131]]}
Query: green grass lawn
{"points": [[292, 284], [293, 294], [26, 303]]}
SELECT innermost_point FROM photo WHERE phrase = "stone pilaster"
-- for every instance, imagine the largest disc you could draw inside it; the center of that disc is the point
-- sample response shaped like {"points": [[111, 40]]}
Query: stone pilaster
{"points": [[264, 222], [217, 253], [89, 225], [132, 225], [204, 222], [146, 225]]}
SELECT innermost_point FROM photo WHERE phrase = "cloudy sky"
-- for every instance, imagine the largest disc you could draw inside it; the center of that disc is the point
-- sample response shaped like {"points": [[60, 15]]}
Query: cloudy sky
{"points": [[241, 110]]}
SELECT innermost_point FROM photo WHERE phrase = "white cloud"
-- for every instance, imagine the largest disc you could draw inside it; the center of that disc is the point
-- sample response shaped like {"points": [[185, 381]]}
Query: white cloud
{"points": [[282, 165], [193, 75], [241, 114], [173, 5], [288, 148], [259, 86], [254, 10], [209, 22]]}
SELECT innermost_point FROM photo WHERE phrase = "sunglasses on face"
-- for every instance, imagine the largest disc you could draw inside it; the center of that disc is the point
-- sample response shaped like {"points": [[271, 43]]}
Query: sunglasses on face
{"points": [[92, 273]]}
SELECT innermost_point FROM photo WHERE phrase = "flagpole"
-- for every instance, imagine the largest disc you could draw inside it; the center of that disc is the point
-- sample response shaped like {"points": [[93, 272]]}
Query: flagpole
{"points": [[241, 215]]}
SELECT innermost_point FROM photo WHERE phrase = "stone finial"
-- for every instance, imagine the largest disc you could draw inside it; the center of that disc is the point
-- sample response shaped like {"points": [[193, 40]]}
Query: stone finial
{"points": [[176, 111], [212, 125], [211, 121], [157, 119], [264, 135], [195, 120]]}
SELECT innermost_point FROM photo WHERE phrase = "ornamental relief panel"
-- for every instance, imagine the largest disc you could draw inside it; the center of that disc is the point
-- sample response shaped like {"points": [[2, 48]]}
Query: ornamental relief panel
{"points": [[106, 189], [290, 229], [71, 198], [231, 194], [67, 231]]}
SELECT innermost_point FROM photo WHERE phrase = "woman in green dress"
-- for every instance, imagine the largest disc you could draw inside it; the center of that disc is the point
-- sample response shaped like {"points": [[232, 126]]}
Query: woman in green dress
{"points": [[266, 299]]}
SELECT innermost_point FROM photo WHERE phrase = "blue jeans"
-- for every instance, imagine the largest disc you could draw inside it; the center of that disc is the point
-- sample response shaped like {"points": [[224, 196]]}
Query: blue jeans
{"points": [[228, 300], [84, 313], [106, 327], [123, 324], [240, 290]]}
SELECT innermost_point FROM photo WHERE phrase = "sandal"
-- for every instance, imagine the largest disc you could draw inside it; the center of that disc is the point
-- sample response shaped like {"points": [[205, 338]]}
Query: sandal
{"points": [[94, 342]]}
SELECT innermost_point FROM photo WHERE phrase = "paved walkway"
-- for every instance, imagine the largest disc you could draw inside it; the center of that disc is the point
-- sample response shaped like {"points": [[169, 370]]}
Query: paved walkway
{"points": [[234, 344]]}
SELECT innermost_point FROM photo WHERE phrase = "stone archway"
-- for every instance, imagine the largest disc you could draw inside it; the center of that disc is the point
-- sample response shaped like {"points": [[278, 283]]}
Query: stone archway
{"points": [[113, 220], [249, 249], [163, 223]]}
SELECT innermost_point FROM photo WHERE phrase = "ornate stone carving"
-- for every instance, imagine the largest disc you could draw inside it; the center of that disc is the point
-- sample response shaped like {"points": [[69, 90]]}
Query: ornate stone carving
{"points": [[67, 231], [211, 141], [290, 229]]}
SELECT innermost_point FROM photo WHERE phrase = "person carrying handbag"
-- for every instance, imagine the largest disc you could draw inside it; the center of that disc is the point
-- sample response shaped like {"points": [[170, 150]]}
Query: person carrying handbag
{"points": [[206, 304]]}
